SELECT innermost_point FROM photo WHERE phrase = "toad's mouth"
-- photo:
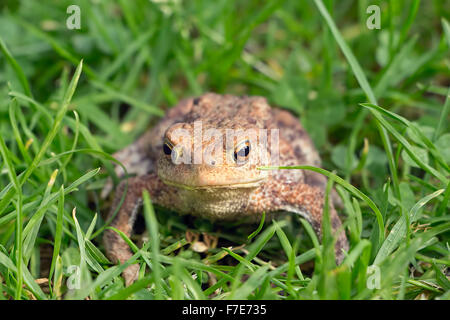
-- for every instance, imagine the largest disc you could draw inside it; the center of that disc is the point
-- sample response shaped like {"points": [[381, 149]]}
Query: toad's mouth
{"points": [[241, 185]]}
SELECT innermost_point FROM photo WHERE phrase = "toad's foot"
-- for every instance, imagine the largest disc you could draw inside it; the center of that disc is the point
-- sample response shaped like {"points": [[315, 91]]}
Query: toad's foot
{"points": [[304, 200], [116, 248]]}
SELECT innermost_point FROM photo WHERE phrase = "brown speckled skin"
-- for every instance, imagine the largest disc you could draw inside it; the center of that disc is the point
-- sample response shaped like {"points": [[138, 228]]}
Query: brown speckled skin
{"points": [[226, 191]]}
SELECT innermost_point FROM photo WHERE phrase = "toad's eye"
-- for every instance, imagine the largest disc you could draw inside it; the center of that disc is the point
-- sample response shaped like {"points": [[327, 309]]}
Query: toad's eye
{"points": [[167, 148], [242, 152]]}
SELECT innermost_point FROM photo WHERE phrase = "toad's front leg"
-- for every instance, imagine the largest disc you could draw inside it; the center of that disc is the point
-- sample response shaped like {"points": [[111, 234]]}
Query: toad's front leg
{"points": [[116, 248], [304, 200]]}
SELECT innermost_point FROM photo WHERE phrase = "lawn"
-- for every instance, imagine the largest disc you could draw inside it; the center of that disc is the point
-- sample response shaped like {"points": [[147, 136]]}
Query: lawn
{"points": [[374, 100]]}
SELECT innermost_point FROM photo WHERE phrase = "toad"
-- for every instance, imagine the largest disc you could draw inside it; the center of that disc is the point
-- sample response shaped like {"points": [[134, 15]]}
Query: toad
{"points": [[204, 157]]}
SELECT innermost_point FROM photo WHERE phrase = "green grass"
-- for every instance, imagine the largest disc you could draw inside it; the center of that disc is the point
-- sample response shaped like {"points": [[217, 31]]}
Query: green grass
{"points": [[375, 102]]}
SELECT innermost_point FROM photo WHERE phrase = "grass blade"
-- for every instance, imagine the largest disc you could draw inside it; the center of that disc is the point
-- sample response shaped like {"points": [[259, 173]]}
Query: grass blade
{"points": [[58, 233], [18, 204], [152, 227], [398, 232], [17, 69], [404, 143]]}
